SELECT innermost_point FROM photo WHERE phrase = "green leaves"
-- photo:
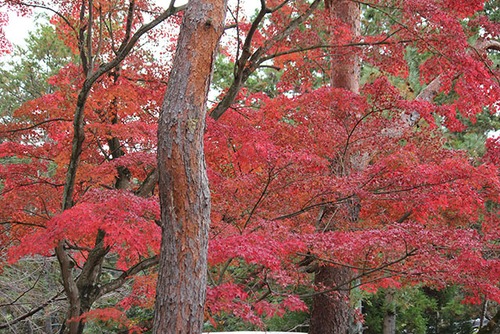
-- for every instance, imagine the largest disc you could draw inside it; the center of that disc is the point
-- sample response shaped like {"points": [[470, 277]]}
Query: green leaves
{"points": [[25, 75]]}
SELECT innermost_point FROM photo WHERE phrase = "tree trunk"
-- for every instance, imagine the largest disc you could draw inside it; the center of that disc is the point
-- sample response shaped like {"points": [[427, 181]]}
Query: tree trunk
{"points": [[183, 182], [493, 327], [389, 326], [332, 313], [344, 61]]}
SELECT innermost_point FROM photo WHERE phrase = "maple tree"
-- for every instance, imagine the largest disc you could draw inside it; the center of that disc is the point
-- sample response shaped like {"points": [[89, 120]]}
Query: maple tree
{"points": [[78, 161], [278, 183], [316, 176], [24, 77]]}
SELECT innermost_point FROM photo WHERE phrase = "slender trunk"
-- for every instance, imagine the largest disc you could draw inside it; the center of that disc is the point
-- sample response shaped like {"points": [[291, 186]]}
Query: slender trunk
{"points": [[333, 314], [70, 289], [389, 326], [49, 281], [484, 308], [493, 327], [183, 182], [73, 287]]}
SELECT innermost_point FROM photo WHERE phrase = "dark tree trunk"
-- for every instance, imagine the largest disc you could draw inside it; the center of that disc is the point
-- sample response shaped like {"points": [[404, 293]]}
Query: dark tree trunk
{"points": [[332, 313], [493, 327], [183, 183]]}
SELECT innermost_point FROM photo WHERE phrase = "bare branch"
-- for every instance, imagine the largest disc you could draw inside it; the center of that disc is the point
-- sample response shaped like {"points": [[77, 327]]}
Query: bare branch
{"points": [[21, 223], [90, 23], [115, 284], [24, 292], [364, 273], [417, 186], [312, 206], [30, 313], [37, 125], [81, 39], [487, 45], [148, 185], [128, 27], [50, 10], [247, 63]]}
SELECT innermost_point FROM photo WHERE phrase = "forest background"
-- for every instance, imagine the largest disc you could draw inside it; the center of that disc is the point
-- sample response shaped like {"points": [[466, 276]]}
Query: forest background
{"points": [[389, 189]]}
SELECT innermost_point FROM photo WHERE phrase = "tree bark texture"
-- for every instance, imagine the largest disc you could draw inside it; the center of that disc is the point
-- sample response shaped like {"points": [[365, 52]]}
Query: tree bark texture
{"points": [[332, 313], [344, 61], [183, 182]]}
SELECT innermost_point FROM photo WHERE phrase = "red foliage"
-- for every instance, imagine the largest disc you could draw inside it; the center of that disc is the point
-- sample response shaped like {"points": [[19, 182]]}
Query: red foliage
{"points": [[112, 315], [5, 46], [493, 151], [267, 194], [276, 164]]}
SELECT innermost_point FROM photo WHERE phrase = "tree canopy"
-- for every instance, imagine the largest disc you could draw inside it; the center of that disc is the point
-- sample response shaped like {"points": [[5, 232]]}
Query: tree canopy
{"points": [[304, 173]]}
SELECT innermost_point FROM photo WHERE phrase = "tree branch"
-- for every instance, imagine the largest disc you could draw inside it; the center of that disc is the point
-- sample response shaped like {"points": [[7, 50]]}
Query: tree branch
{"points": [[37, 125], [24, 292], [260, 199], [21, 223], [363, 274], [148, 185], [89, 41], [50, 10], [248, 63], [485, 45], [81, 40], [70, 287], [128, 27], [78, 135], [145, 264], [310, 207], [30, 313]]}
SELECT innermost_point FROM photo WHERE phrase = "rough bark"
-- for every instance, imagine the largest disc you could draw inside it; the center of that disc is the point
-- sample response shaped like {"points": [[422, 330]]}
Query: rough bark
{"points": [[345, 63], [333, 314], [389, 322], [183, 183]]}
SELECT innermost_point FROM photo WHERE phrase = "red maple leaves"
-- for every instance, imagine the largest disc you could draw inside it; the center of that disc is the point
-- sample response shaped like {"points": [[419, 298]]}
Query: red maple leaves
{"points": [[276, 164]]}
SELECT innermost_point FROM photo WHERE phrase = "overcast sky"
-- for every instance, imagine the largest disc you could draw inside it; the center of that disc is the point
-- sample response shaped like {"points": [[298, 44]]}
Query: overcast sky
{"points": [[18, 27]]}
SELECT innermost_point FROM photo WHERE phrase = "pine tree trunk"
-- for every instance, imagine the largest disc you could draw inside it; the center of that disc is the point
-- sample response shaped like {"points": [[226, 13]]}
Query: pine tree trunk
{"points": [[344, 61], [183, 183], [332, 313], [389, 322]]}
